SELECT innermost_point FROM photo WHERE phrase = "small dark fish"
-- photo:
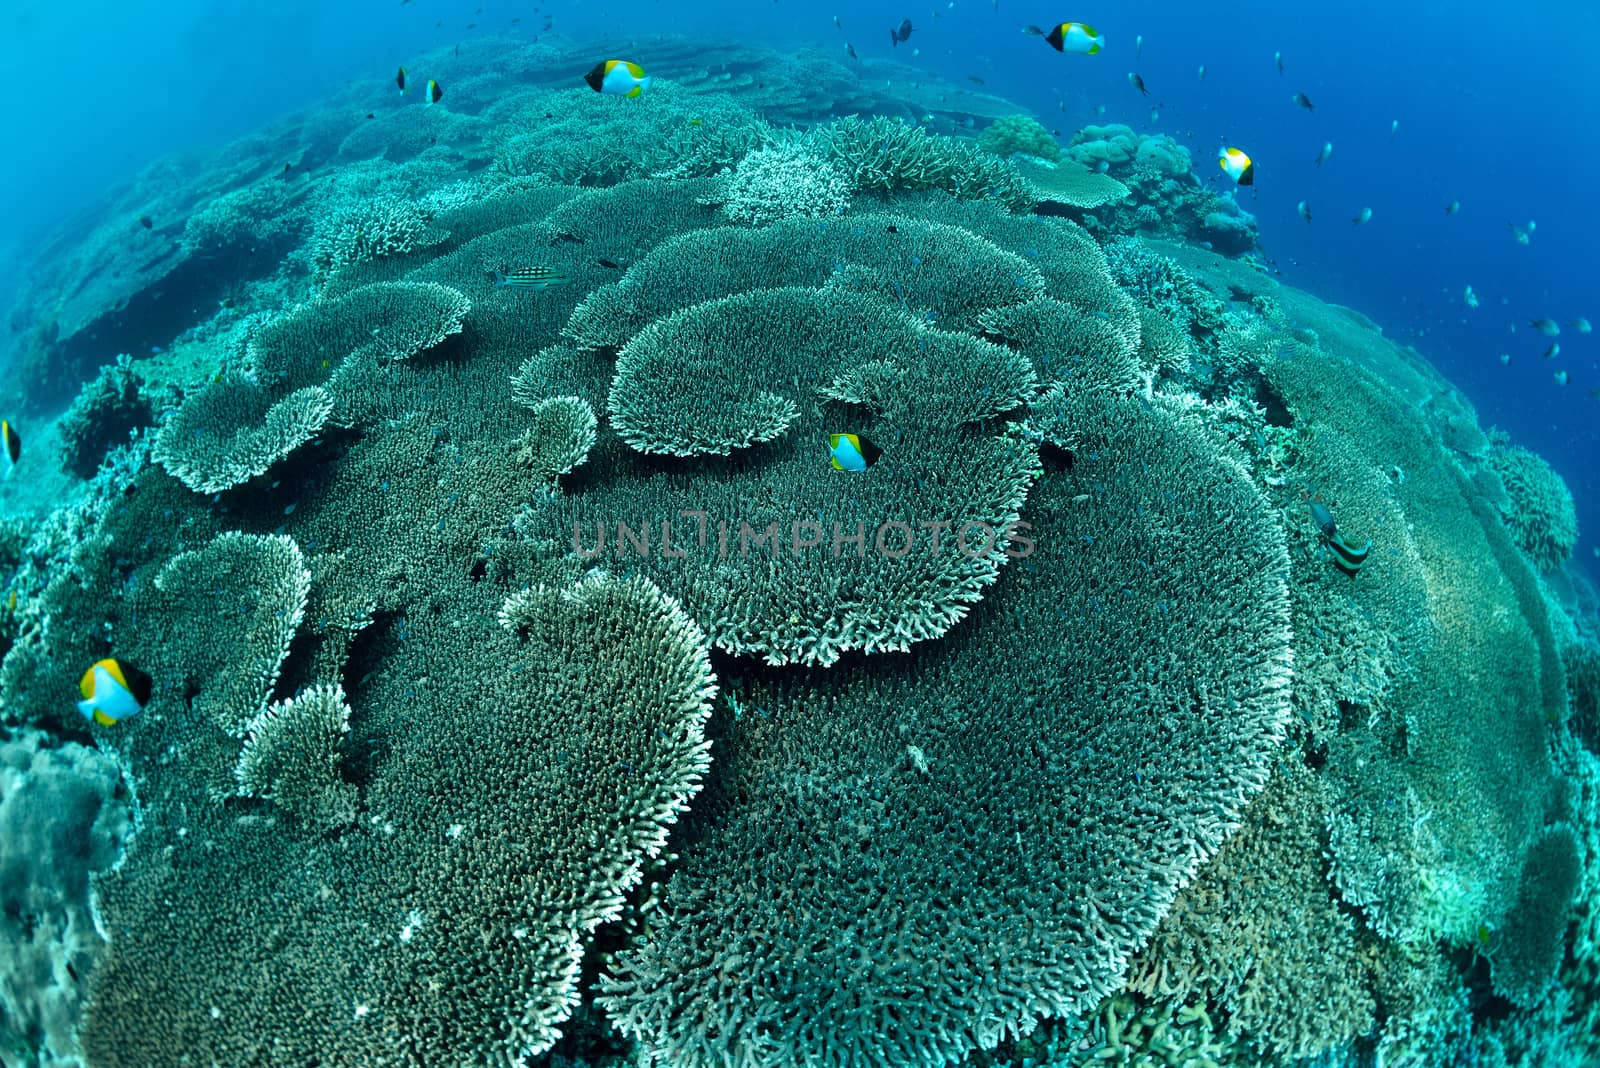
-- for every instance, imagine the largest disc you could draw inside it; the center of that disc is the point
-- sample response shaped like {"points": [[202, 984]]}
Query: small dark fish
{"points": [[850, 50], [73, 972], [1553, 351], [1304, 101], [286, 167], [400, 79], [1322, 517], [1452, 207], [609, 264], [370, 115], [892, 228], [901, 32], [1033, 31], [837, 24], [1547, 327], [974, 79], [147, 222], [1138, 83], [1277, 59]]}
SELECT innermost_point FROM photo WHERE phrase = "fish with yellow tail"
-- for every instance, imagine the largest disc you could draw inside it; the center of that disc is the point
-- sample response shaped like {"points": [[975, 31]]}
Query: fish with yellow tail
{"points": [[851, 452], [113, 690], [12, 444], [1076, 38], [1238, 166], [619, 77]]}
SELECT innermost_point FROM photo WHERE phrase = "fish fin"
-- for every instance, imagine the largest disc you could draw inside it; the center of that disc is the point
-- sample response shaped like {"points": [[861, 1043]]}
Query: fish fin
{"points": [[87, 709], [103, 719], [634, 68]]}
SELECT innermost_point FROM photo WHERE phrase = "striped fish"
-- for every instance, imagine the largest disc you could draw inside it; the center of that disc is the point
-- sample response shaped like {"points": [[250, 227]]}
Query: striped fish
{"points": [[534, 278], [1347, 559]]}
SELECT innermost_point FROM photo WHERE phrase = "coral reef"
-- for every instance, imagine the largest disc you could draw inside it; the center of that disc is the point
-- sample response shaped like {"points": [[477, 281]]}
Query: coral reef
{"points": [[1019, 133], [1052, 736], [1539, 511], [783, 182], [104, 413]]}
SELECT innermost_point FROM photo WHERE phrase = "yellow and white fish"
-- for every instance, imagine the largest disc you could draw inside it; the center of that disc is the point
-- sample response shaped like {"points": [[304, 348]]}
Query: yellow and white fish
{"points": [[434, 93], [112, 691], [852, 452], [12, 446], [1077, 38], [618, 76], [1238, 166]]}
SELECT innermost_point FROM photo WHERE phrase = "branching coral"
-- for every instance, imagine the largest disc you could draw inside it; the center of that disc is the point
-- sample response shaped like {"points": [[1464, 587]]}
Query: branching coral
{"points": [[1019, 133], [1540, 514], [560, 439], [232, 431], [370, 230], [783, 182], [102, 415], [292, 757], [882, 155]]}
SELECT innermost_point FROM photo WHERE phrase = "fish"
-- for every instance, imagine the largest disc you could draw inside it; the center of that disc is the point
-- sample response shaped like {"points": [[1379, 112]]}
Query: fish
{"points": [[400, 79], [1452, 207], [1470, 298], [1202, 72], [372, 115], [850, 50], [1553, 351], [1238, 166], [1362, 216], [1561, 378], [1505, 357], [1547, 327], [610, 265], [1155, 114], [852, 452], [13, 446], [1322, 517], [147, 222], [837, 24], [113, 690], [1137, 82], [1346, 557], [435, 92], [1277, 60], [1138, 46], [1327, 150], [1580, 325], [1032, 31], [1305, 212], [1522, 234], [618, 76], [1394, 127], [536, 279], [900, 33], [974, 79], [1304, 101]]}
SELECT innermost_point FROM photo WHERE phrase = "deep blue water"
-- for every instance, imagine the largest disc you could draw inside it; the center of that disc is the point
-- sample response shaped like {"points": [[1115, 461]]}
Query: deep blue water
{"points": [[1497, 109]]}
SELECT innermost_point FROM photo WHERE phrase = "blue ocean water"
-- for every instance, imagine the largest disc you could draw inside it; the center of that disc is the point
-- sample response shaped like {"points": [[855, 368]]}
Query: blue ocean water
{"points": [[1494, 110]]}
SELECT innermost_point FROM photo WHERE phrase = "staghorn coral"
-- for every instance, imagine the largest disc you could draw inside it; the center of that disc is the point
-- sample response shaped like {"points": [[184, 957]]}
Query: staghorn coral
{"points": [[783, 182], [1540, 513], [924, 854], [291, 757], [231, 431], [509, 810], [1066, 347]]}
